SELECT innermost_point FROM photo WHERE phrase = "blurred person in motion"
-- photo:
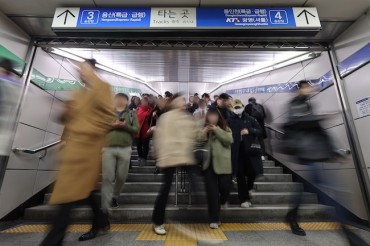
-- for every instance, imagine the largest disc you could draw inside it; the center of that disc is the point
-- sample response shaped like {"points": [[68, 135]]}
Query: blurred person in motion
{"points": [[142, 138], [218, 170], [152, 100], [135, 103], [158, 110], [245, 152], [215, 98], [192, 105], [87, 121], [173, 143], [222, 104], [257, 111], [200, 113], [10, 92], [312, 146], [117, 151], [207, 99]]}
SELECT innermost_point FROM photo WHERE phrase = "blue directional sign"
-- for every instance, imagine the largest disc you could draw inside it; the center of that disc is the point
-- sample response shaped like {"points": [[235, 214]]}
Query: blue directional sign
{"points": [[246, 17], [177, 17], [114, 18]]}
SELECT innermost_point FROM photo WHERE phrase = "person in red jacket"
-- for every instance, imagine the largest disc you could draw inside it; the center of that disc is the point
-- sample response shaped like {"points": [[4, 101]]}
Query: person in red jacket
{"points": [[142, 138]]}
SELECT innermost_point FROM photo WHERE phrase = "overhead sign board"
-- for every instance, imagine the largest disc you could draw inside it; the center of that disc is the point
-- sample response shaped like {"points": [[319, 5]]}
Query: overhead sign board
{"points": [[192, 18]]}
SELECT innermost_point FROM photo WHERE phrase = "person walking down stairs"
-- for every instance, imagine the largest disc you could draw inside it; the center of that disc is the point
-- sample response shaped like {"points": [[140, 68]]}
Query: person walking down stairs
{"points": [[117, 153], [173, 144]]}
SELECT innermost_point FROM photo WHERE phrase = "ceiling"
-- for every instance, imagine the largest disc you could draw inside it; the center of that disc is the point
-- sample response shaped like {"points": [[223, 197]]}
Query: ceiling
{"points": [[189, 66], [335, 15]]}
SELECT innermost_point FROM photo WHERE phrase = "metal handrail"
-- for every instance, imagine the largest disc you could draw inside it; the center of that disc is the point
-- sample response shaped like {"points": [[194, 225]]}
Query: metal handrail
{"points": [[340, 151], [34, 151], [274, 129]]}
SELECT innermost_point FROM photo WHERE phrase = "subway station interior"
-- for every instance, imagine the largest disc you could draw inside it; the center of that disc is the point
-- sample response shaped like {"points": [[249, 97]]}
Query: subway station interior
{"points": [[263, 54]]}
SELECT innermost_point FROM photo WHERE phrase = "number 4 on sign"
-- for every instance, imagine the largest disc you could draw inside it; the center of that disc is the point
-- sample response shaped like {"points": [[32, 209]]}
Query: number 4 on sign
{"points": [[278, 16]]}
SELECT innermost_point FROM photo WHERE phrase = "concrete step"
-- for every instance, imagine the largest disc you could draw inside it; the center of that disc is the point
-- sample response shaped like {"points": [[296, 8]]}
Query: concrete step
{"points": [[150, 169], [258, 186], [192, 214], [147, 177], [151, 162], [201, 198]]}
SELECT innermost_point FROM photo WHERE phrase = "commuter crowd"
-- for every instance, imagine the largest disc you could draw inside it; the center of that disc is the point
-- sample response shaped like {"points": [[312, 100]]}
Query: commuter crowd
{"points": [[221, 139]]}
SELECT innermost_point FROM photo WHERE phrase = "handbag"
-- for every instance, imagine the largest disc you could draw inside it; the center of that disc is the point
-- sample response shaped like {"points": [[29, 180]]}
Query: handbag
{"points": [[201, 154]]}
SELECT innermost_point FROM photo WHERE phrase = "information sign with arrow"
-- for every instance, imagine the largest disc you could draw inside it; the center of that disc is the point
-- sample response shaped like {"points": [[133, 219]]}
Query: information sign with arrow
{"points": [[306, 17], [65, 17]]}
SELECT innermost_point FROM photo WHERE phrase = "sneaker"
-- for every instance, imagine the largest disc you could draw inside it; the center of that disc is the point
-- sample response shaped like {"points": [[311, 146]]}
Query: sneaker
{"points": [[114, 203], [225, 206], [246, 204], [263, 158], [213, 225], [235, 180], [160, 230]]}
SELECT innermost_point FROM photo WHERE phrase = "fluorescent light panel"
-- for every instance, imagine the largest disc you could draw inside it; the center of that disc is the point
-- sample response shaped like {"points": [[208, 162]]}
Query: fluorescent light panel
{"points": [[100, 66]]}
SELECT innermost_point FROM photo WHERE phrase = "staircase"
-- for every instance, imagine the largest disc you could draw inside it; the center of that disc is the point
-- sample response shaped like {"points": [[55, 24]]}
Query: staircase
{"points": [[272, 194]]}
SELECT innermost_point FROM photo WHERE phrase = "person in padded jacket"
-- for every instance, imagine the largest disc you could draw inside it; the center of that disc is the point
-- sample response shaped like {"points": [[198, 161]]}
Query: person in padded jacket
{"points": [[217, 170], [245, 152]]}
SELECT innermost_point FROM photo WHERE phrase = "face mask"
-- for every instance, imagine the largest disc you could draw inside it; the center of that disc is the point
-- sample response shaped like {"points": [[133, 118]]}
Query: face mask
{"points": [[238, 111]]}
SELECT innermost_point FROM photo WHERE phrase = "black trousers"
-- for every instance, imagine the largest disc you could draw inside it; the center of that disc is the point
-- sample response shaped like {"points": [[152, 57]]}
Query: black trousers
{"points": [[143, 147], [261, 140], [246, 170], [218, 191], [63, 219], [162, 198]]}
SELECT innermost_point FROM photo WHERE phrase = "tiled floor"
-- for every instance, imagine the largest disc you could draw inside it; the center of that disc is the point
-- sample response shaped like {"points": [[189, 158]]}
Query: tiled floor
{"points": [[191, 235]]}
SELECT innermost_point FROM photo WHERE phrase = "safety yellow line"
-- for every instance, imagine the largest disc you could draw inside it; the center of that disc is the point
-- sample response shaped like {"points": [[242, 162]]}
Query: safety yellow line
{"points": [[184, 234]]}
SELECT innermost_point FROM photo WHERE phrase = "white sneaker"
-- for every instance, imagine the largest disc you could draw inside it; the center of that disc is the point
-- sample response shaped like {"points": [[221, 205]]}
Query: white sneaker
{"points": [[159, 230], [214, 225], [246, 204], [263, 158]]}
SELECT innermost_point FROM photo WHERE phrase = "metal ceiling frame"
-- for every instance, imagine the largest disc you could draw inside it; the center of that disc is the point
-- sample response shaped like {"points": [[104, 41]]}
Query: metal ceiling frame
{"points": [[181, 44]]}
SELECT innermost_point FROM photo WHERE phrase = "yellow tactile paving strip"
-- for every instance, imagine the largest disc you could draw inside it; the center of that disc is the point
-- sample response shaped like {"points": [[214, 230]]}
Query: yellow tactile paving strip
{"points": [[184, 234]]}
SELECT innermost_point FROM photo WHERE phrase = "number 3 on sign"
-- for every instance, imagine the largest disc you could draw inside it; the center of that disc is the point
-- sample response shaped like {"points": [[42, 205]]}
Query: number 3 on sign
{"points": [[278, 17], [89, 17]]}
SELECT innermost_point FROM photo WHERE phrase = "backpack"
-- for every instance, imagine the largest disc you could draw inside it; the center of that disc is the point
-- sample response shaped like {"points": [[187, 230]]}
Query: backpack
{"points": [[257, 112]]}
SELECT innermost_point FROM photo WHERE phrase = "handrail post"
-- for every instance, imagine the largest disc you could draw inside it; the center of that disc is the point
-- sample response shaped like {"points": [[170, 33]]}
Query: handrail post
{"points": [[176, 186]]}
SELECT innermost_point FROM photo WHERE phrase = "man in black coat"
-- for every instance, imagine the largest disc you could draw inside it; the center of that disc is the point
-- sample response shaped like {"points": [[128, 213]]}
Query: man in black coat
{"points": [[222, 104], [245, 151], [257, 111]]}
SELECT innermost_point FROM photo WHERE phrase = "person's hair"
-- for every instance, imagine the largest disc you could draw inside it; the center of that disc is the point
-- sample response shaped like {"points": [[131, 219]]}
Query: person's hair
{"points": [[168, 94], [303, 83], [252, 99], [221, 121], [123, 95], [205, 95], [224, 96], [168, 106], [92, 62]]}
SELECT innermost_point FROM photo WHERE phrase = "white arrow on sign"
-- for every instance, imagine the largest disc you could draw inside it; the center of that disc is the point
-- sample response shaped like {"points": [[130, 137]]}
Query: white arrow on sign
{"points": [[65, 17], [306, 17]]}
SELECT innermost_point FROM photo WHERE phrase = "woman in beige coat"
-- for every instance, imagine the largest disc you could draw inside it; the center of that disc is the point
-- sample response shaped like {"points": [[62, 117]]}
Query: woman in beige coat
{"points": [[87, 120], [173, 142]]}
